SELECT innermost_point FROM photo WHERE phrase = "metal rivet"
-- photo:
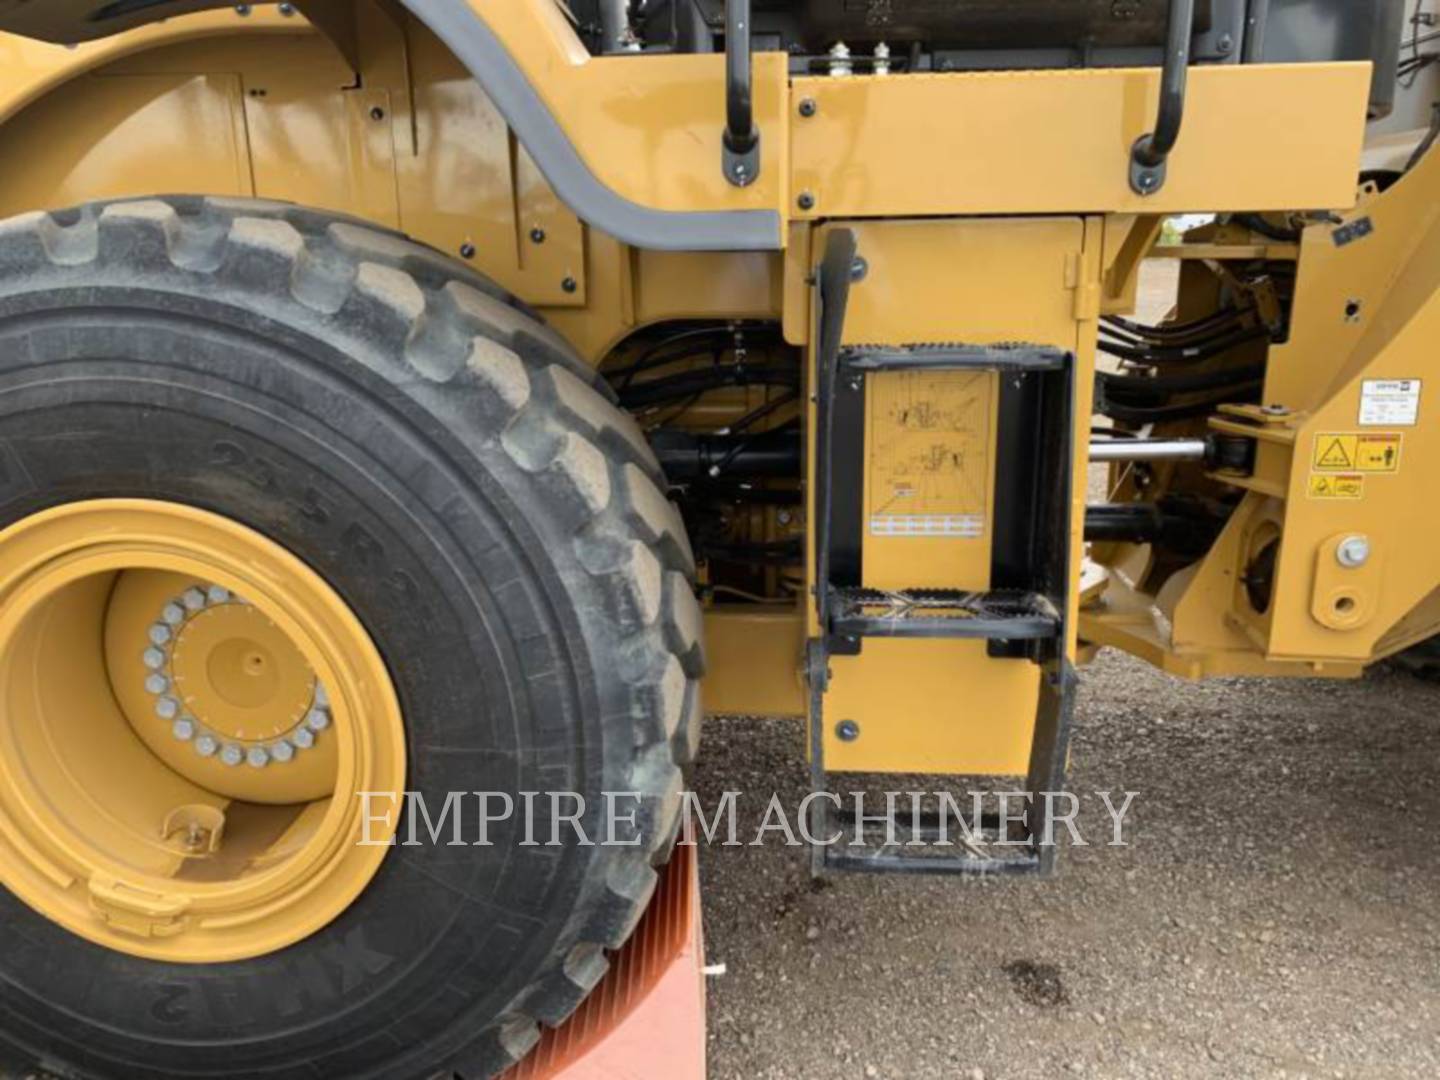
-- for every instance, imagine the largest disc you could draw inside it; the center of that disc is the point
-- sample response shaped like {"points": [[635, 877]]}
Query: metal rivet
{"points": [[569, 284], [287, 10], [467, 250], [847, 731], [537, 235], [377, 113], [242, 10], [808, 107], [806, 201]]}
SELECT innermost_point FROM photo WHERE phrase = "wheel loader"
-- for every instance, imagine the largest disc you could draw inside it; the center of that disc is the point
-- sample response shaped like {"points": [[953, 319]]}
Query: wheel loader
{"points": [[406, 400]]}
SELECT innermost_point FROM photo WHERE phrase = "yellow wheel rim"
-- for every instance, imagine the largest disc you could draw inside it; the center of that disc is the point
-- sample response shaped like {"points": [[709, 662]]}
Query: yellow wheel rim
{"points": [[191, 716]]}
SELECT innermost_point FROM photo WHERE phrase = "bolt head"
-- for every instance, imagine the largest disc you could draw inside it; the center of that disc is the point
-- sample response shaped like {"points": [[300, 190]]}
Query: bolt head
{"points": [[303, 738], [847, 731], [156, 684], [160, 634], [194, 600], [173, 614], [537, 235], [206, 746], [808, 107], [806, 201], [167, 708], [282, 752], [154, 659], [569, 284], [231, 755], [318, 720], [217, 595], [1353, 552], [467, 250], [257, 757], [183, 729]]}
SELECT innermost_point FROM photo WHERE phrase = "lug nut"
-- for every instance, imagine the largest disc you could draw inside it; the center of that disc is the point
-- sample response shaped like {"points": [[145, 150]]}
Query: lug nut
{"points": [[154, 659], [173, 614], [167, 708], [258, 757], [282, 752], [193, 599], [183, 729], [322, 696], [231, 755], [303, 738], [216, 595], [156, 684], [318, 720], [206, 746], [160, 634]]}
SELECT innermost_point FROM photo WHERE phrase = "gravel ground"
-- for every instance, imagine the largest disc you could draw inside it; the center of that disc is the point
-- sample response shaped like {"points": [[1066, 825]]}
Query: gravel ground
{"points": [[1274, 914]]}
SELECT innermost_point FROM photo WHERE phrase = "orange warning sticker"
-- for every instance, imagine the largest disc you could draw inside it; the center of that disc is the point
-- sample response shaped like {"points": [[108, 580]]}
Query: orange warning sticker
{"points": [[1343, 486], [1338, 451]]}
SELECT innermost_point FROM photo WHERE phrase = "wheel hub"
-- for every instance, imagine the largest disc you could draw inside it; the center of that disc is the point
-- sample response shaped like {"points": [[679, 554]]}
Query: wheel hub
{"points": [[191, 714]]}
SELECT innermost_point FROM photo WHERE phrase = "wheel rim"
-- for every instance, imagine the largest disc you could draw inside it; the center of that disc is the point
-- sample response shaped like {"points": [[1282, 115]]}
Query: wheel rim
{"points": [[125, 815]]}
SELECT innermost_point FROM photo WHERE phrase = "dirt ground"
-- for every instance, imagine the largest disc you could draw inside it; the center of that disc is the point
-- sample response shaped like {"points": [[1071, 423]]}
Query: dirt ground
{"points": [[1275, 914]]}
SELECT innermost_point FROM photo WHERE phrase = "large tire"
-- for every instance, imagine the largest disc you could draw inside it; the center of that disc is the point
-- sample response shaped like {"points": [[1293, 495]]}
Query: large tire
{"points": [[449, 467]]}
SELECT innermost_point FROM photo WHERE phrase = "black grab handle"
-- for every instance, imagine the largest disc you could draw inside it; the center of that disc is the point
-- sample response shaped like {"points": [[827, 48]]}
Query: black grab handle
{"points": [[741, 156], [1152, 151]]}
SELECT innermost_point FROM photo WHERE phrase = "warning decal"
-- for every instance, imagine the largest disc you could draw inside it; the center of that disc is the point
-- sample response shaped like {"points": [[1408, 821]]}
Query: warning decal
{"points": [[1338, 451], [1343, 486]]}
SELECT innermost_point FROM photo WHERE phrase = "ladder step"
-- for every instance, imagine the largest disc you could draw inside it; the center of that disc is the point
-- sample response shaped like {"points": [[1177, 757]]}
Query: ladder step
{"points": [[944, 357], [891, 848], [1006, 615]]}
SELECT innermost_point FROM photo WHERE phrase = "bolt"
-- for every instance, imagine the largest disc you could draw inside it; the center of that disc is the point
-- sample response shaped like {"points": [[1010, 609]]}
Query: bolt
{"points": [[1225, 44], [282, 752], [784, 517], [318, 720], [231, 755], [287, 10], [1275, 410], [154, 659], [156, 684], [806, 201], [160, 634], [206, 746], [303, 738], [537, 235], [173, 614], [242, 10], [467, 250], [197, 837], [847, 731], [193, 599], [322, 698], [167, 708], [569, 284], [183, 729], [808, 108], [1353, 552], [377, 113], [859, 268], [258, 757]]}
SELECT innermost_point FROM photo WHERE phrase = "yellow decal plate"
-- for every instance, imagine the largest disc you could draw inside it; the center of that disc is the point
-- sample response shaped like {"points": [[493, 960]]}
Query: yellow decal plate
{"points": [[1339, 486], [1345, 452]]}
